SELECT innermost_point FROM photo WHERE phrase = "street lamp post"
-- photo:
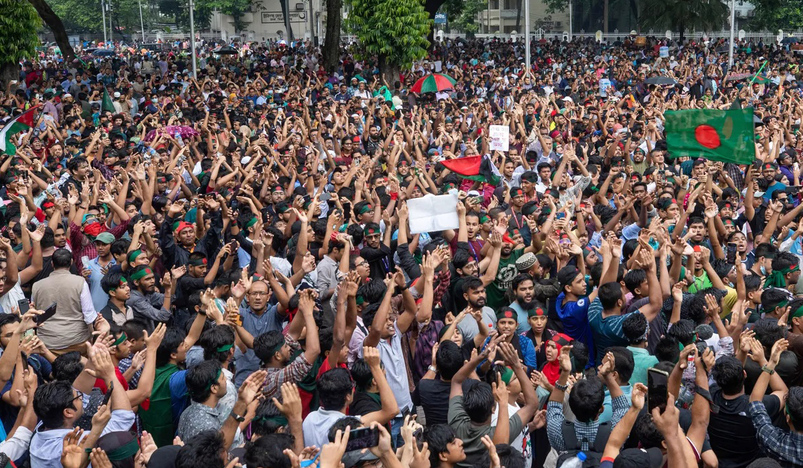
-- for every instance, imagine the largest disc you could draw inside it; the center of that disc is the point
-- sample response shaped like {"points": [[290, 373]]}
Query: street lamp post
{"points": [[141, 22], [527, 34], [111, 21], [103, 15], [192, 41], [733, 26]]}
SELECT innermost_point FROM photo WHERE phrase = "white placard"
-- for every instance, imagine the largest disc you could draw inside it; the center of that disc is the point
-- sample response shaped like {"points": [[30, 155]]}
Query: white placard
{"points": [[604, 84], [500, 137], [663, 51], [432, 213]]}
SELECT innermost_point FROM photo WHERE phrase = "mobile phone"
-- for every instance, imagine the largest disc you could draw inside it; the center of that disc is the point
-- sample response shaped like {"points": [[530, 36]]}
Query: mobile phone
{"points": [[326, 196], [108, 396], [657, 392], [85, 261], [362, 438], [731, 255], [49, 312], [23, 305]]}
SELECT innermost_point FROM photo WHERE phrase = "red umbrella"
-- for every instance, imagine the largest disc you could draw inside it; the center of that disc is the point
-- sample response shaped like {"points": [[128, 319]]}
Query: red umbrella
{"points": [[433, 83]]}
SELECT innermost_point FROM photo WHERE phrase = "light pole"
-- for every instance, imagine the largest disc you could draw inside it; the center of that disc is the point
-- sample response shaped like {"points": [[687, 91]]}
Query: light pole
{"points": [[192, 41], [103, 14], [111, 22], [312, 39], [527, 34], [141, 22], [733, 26], [570, 20]]}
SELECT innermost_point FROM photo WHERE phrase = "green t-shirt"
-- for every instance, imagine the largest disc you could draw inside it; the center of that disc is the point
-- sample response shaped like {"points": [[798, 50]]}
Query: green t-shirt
{"points": [[504, 278]]}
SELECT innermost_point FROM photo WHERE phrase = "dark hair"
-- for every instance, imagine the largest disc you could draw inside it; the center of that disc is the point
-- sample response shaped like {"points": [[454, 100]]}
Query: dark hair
{"points": [[509, 457], [586, 399], [268, 451], [214, 339], [519, 279], [6, 319], [68, 367], [341, 425], [783, 261], [771, 297], [580, 353], [566, 275], [728, 373], [120, 246], [478, 402], [361, 373], [438, 437], [667, 349], [461, 258], [633, 327], [62, 258], [134, 329], [369, 313], [634, 278], [624, 363], [265, 345], [110, 281], [767, 332], [334, 388], [173, 338], [645, 431], [609, 294], [50, 401], [752, 283], [449, 359], [203, 449], [794, 406], [372, 291], [200, 379], [683, 331], [764, 249], [472, 282], [48, 238]]}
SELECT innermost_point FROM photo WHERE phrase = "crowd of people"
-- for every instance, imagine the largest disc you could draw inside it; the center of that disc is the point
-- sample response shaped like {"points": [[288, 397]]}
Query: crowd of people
{"points": [[220, 270]]}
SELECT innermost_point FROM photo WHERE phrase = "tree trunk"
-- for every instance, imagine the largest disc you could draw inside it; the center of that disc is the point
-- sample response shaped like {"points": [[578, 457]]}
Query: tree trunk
{"points": [[605, 17], [390, 71], [518, 15], [54, 23], [331, 48], [432, 7], [9, 72]]}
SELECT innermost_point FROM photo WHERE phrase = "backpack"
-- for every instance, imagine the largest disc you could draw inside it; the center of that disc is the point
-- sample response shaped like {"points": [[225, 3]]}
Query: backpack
{"points": [[573, 446]]}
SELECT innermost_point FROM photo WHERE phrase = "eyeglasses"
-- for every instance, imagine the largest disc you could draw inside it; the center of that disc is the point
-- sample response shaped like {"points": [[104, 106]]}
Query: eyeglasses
{"points": [[363, 263]]}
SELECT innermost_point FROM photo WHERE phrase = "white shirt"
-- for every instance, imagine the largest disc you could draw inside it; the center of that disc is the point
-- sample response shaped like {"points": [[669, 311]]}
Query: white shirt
{"points": [[10, 299], [317, 424]]}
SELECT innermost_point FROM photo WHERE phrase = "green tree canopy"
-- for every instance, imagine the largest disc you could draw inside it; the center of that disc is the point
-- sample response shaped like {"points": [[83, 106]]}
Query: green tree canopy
{"points": [[684, 15], [777, 14], [395, 31], [19, 23]]}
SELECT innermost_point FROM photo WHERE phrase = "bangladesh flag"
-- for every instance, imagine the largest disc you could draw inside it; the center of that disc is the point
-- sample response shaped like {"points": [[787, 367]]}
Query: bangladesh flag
{"points": [[477, 168], [717, 135], [23, 122], [107, 104]]}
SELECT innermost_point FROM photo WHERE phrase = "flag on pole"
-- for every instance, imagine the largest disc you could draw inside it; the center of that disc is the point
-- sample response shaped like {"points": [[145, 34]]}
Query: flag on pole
{"points": [[717, 135], [476, 168], [107, 104], [23, 122]]}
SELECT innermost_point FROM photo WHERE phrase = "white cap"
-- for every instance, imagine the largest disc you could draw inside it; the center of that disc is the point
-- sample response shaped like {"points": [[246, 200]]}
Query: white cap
{"points": [[473, 193], [568, 99], [117, 94]]}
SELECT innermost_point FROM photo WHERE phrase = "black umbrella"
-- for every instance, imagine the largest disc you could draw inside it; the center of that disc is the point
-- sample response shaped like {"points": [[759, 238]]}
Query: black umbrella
{"points": [[790, 40], [225, 50], [103, 53], [660, 80]]}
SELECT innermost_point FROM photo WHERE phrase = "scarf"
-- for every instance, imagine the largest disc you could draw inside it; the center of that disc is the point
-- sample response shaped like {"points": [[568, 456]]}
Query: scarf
{"points": [[551, 369], [777, 279]]}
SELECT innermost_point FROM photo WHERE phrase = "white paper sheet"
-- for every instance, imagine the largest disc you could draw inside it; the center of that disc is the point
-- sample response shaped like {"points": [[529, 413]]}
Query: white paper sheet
{"points": [[433, 213]]}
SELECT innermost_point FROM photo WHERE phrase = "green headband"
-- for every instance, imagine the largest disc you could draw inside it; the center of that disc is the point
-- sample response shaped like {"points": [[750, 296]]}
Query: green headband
{"points": [[122, 338], [251, 222], [133, 255], [141, 274], [507, 375], [278, 419], [124, 451], [224, 348], [798, 312], [277, 348], [197, 261], [214, 381], [123, 281]]}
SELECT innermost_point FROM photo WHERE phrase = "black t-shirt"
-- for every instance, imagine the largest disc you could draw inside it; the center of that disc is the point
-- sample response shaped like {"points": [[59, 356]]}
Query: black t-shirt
{"points": [[433, 394], [731, 431], [363, 404]]}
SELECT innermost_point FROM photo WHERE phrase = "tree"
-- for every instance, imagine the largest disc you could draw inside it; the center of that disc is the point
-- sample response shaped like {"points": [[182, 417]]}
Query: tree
{"points": [[682, 15], [334, 21], [19, 23], [466, 21], [53, 22], [394, 31], [772, 15]]}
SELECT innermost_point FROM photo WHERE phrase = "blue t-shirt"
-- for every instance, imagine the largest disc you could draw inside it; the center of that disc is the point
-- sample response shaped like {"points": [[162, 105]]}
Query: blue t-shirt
{"points": [[178, 394], [574, 316]]}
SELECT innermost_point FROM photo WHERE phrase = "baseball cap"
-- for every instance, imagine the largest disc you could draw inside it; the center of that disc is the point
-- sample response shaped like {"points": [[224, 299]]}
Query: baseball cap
{"points": [[105, 238], [639, 458]]}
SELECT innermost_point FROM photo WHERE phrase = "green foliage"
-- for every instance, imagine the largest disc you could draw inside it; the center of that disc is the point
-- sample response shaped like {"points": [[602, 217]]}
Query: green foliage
{"points": [[393, 30], [777, 14], [85, 16], [467, 19], [18, 23], [684, 15], [554, 6]]}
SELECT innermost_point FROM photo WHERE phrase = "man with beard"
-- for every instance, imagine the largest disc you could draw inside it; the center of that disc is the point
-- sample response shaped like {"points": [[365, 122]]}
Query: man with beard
{"points": [[524, 289], [474, 294], [377, 253], [148, 304], [177, 237], [506, 270]]}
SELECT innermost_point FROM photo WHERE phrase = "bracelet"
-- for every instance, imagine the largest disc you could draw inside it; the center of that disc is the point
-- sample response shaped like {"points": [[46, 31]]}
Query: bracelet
{"points": [[394, 195], [767, 370], [560, 387], [433, 369], [237, 417]]}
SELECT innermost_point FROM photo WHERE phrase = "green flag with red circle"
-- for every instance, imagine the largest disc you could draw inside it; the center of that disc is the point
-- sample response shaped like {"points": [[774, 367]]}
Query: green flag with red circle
{"points": [[717, 135]]}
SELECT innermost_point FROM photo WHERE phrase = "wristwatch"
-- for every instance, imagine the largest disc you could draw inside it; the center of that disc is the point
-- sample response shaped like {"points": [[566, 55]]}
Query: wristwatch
{"points": [[433, 369], [560, 387], [237, 417], [767, 370]]}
